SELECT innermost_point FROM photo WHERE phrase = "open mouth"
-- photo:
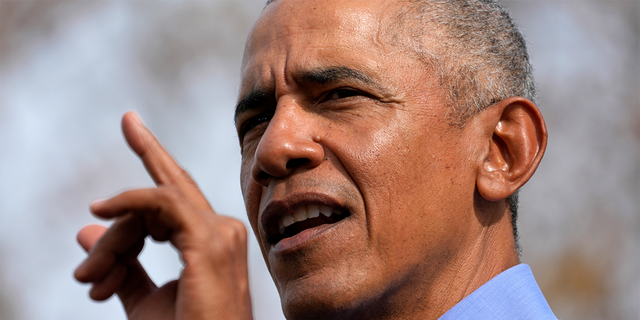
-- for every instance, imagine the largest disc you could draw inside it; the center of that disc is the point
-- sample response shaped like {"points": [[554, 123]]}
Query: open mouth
{"points": [[305, 217]]}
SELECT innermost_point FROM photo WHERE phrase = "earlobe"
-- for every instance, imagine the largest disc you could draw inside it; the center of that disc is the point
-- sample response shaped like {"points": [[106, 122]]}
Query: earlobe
{"points": [[516, 146]]}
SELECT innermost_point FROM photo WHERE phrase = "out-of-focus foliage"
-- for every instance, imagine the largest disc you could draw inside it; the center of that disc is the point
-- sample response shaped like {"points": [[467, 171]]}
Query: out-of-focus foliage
{"points": [[580, 212], [70, 69]]}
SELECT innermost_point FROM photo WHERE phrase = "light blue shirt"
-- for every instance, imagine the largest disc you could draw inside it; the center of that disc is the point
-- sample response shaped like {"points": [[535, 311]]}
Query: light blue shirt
{"points": [[513, 295]]}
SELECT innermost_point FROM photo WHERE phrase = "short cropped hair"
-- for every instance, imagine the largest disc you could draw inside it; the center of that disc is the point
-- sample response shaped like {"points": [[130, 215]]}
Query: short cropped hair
{"points": [[474, 46], [478, 52]]}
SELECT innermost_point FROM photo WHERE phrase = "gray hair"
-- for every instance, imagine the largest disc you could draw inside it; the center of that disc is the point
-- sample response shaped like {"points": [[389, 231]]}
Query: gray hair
{"points": [[474, 46], [476, 49]]}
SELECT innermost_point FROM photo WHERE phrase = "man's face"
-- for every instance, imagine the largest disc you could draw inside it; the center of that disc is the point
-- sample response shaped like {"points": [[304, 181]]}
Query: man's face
{"points": [[335, 120]]}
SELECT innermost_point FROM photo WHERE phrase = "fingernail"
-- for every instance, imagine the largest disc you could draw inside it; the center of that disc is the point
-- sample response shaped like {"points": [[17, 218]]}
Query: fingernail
{"points": [[97, 202]]}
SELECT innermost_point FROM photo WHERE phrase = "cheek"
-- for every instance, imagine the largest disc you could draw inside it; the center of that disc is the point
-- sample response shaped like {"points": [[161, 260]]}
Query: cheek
{"points": [[384, 161], [408, 180], [250, 192], [380, 162]]}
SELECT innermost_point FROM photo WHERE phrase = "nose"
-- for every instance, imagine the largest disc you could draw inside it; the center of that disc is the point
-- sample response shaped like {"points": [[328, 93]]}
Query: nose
{"points": [[290, 142]]}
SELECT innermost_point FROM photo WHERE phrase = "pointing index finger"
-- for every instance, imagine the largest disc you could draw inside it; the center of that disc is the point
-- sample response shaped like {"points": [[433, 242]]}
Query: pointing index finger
{"points": [[159, 164]]}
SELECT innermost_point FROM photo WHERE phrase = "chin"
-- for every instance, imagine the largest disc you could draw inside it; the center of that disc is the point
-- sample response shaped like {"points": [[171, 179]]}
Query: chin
{"points": [[319, 305], [310, 308], [321, 298]]}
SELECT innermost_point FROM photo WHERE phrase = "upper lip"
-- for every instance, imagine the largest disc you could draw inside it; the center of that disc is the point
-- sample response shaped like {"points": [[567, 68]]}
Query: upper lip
{"points": [[277, 208]]}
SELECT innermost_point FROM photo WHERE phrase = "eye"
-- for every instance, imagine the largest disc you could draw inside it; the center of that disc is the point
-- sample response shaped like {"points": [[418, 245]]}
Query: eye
{"points": [[253, 122], [343, 93]]}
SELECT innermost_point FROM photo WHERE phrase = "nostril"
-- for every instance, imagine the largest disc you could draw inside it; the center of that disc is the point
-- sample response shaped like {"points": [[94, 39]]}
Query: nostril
{"points": [[263, 176], [296, 163]]}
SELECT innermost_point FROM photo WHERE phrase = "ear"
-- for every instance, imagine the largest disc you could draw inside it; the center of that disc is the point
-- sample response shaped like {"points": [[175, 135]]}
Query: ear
{"points": [[518, 138]]}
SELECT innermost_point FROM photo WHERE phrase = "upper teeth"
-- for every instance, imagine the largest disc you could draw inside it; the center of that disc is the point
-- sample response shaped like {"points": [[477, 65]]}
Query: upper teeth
{"points": [[303, 213]]}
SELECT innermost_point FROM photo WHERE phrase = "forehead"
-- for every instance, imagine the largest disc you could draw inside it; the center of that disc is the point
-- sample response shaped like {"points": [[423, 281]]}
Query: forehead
{"points": [[304, 34]]}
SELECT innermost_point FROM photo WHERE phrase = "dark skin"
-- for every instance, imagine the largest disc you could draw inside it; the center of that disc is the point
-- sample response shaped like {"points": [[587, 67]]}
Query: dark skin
{"points": [[329, 117], [212, 247]]}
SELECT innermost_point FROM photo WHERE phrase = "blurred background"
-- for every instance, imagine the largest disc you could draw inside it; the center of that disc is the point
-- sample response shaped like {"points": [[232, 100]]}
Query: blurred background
{"points": [[70, 69]]}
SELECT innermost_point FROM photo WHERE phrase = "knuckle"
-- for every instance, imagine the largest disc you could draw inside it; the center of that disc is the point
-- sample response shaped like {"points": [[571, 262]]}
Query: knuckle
{"points": [[170, 194], [186, 175], [240, 230], [231, 237]]}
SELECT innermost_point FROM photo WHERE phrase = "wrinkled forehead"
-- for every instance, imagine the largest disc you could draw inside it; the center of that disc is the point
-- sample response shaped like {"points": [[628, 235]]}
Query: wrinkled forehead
{"points": [[296, 27], [286, 16]]}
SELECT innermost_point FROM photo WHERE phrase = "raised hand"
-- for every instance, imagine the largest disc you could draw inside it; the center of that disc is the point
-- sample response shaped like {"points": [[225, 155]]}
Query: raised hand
{"points": [[214, 281]]}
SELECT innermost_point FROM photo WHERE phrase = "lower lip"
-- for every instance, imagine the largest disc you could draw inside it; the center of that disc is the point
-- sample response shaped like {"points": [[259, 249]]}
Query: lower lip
{"points": [[303, 238]]}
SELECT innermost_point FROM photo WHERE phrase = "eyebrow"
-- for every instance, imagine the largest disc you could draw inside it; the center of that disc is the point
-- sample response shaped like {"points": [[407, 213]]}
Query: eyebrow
{"points": [[256, 98], [252, 101], [333, 74]]}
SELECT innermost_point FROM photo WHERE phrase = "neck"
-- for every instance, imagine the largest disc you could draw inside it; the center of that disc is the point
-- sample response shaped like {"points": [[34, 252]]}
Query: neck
{"points": [[488, 249]]}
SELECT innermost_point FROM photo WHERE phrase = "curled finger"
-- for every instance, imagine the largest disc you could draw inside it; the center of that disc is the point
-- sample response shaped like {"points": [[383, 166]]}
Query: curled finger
{"points": [[122, 241], [105, 288]]}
